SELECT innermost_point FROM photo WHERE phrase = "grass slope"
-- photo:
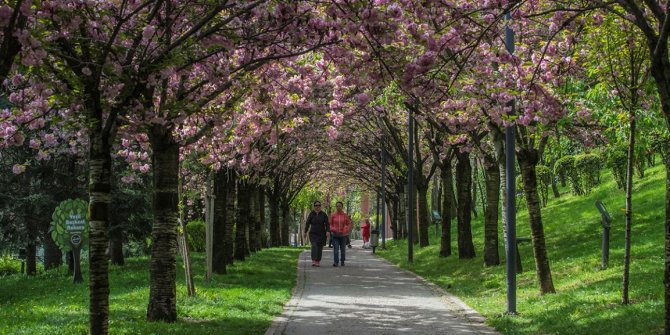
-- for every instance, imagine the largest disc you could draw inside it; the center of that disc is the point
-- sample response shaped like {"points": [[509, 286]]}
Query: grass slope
{"points": [[244, 301], [588, 298]]}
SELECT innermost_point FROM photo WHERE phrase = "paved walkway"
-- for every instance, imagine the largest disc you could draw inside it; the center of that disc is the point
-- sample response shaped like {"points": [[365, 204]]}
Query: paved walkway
{"points": [[370, 296]]}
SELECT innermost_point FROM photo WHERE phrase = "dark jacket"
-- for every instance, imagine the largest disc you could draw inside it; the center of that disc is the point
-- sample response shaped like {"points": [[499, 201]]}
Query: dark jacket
{"points": [[317, 224]]}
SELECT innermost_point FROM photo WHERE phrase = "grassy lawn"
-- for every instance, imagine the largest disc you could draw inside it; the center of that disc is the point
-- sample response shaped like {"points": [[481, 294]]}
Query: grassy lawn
{"points": [[244, 301], [588, 298]]}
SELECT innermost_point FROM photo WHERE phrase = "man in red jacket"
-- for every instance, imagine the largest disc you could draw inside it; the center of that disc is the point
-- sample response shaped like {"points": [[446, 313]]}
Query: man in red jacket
{"points": [[340, 227]]}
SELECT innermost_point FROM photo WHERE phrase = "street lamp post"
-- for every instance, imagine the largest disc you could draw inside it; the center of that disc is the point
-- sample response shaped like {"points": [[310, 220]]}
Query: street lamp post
{"points": [[511, 191]]}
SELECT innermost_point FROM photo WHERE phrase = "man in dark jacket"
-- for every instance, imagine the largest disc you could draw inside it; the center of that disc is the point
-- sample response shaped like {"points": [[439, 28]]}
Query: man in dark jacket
{"points": [[317, 226]]}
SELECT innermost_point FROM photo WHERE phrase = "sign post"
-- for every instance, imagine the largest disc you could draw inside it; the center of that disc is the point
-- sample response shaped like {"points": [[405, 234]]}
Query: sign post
{"points": [[69, 230]]}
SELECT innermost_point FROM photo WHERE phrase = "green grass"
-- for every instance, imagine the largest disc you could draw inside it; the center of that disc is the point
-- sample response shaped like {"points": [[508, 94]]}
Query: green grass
{"points": [[588, 298], [244, 301]]}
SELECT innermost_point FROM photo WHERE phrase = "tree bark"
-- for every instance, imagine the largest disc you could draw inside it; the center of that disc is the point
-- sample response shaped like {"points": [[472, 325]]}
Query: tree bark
{"points": [[242, 220], [285, 224], [528, 159], [253, 217], [466, 248], [219, 229], [424, 221], [274, 220], [491, 256], [629, 210], [99, 174], [229, 227], [31, 252], [415, 226], [666, 277], [446, 174], [260, 222], [163, 268], [395, 227], [116, 244], [53, 256]]}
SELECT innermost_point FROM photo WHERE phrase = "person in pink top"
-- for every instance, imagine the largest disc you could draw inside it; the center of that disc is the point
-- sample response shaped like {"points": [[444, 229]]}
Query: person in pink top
{"points": [[340, 227]]}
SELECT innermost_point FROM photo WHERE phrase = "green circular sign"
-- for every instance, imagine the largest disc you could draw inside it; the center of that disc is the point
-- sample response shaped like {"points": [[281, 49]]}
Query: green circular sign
{"points": [[70, 219]]}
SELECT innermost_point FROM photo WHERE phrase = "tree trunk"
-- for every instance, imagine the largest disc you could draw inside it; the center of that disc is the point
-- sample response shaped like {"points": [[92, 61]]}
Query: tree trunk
{"points": [[242, 220], [163, 268], [528, 159], [475, 187], [394, 219], [415, 226], [116, 244], [99, 174], [260, 222], [219, 229], [253, 217], [447, 184], [666, 277], [285, 224], [274, 220], [554, 188], [424, 221], [629, 210], [53, 257], [31, 256], [454, 202], [466, 248], [69, 258], [229, 226], [491, 256]]}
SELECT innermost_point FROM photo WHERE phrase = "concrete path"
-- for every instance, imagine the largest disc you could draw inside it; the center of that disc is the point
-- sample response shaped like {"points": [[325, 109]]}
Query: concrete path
{"points": [[370, 296]]}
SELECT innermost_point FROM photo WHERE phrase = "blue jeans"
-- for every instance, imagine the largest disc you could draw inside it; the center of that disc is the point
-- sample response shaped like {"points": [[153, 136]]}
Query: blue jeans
{"points": [[339, 247]]}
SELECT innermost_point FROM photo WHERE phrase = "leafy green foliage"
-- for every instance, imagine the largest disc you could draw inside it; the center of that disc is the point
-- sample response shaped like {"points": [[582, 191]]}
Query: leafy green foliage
{"points": [[196, 235], [564, 169], [616, 159], [588, 167], [9, 265]]}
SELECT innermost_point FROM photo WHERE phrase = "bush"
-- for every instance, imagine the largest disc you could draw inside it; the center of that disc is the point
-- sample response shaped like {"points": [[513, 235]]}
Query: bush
{"points": [[196, 235], [9, 265], [616, 158], [564, 168], [588, 167]]}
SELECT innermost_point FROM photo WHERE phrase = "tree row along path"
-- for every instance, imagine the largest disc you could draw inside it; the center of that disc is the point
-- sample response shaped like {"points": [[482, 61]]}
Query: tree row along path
{"points": [[370, 296]]}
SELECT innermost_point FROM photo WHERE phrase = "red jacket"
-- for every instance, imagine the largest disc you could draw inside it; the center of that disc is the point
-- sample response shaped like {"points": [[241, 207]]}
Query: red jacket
{"points": [[340, 224]]}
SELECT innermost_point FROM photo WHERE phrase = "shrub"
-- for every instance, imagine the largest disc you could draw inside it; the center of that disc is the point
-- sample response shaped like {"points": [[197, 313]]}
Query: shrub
{"points": [[196, 235], [588, 167], [616, 159], [543, 183], [565, 168], [9, 265]]}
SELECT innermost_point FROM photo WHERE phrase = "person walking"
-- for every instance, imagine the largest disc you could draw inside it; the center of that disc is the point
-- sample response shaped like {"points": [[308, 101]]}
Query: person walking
{"points": [[317, 226], [365, 233], [340, 227]]}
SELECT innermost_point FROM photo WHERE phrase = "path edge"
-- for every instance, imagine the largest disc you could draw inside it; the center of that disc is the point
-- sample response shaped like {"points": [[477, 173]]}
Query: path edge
{"points": [[460, 308], [280, 322]]}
